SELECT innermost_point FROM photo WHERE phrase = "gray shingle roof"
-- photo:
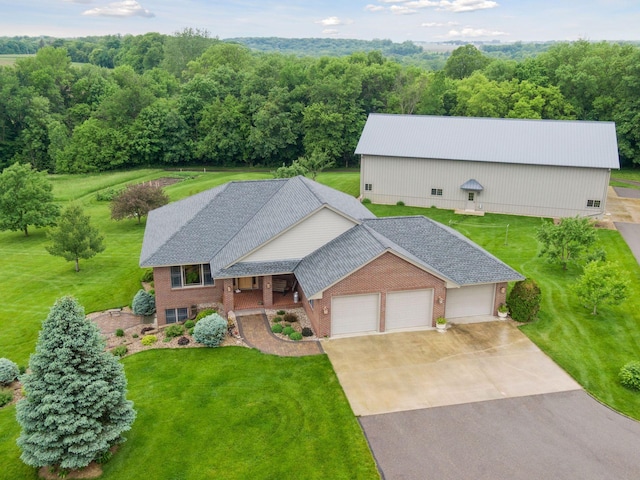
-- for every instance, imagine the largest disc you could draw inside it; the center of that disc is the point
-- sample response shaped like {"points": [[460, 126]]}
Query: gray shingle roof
{"points": [[473, 185], [535, 142], [256, 269], [429, 244], [225, 223]]}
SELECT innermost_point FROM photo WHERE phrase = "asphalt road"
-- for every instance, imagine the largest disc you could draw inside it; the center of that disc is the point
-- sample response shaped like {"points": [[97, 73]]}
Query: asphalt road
{"points": [[557, 436]]}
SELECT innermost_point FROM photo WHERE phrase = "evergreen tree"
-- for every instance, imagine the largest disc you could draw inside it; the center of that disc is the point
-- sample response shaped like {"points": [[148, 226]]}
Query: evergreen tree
{"points": [[75, 238], [75, 407]]}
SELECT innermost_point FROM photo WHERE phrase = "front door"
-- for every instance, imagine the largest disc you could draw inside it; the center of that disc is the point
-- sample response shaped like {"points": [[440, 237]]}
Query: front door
{"points": [[245, 283], [471, 200]]}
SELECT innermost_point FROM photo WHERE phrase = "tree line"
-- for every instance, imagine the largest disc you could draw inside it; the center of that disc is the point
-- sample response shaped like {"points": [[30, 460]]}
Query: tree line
{"points": [[190, 99]]}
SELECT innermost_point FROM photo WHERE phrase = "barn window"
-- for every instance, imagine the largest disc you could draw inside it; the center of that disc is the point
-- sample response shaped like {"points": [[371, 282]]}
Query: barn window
{"points": [[368, 187], [436, 191], [593, 203]]}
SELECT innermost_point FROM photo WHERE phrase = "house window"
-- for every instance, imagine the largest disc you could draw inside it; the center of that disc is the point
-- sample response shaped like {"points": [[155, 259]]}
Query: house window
{"points": [[368, 187], [311, 304], [174, 315], [191, 275], [471, 196], [593, 203], [436, 192]]}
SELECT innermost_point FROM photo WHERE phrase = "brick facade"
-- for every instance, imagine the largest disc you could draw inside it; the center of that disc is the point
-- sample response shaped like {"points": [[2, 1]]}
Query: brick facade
{"points": [[167, 297], [500, 296], [387, 273]]}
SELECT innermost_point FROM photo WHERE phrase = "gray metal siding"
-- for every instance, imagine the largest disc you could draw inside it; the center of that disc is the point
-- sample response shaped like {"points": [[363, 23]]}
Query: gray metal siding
{"points": [[536, 190]]}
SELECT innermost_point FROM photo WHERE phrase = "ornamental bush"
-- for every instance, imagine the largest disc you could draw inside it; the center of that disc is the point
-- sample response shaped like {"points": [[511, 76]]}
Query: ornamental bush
{"points": [[630, 375], [189, 324], [277, 319], [211, 330], [524, 300], [281, 312], [288, 331], [182, 341], [297, 336], [147, 276], [149, 340], [8, 371], [120, 351], [144, 303], [307, 332], [277, 328], [173, 331], [205, 313], [119, 332], [290, 317]]}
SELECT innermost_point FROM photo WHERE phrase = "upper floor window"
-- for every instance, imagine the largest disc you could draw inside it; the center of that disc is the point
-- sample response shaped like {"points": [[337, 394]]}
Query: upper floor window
{"points": [[593, 203], [191, 275], [436, 191], [368, 187]]}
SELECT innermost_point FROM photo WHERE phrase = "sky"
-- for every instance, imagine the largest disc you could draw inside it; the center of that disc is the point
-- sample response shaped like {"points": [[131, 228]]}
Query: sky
{"points": [[398, 20]]}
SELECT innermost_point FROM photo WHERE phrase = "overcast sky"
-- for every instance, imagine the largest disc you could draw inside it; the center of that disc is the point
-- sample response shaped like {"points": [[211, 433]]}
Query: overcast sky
{"points": [[398, 20]]}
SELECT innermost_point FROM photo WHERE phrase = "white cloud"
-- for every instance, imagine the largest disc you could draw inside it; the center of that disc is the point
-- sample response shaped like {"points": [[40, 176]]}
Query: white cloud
{"points": [[421, 4], [402, 10], [79, 1], [126, 8], [468, 32], [333, 21], [374, 8], [459, 6], [436, 24], [330, 31]]}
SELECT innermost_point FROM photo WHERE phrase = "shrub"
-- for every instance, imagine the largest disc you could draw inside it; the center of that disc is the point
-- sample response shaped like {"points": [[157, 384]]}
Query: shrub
{"points": [[211, 330], [144, 303], [190, 331], [288, 331], [277, 319], [281, 312], [277, 328], [189, 324], [290, 317], [205, 313], [307, 332], [104, 457], [149, 340], [120, 351], [400, 203], [6, 395], [119, 332], [8, 371], [524, 300], [630, 375], [366, 200], [182, 341], [173, 331], [147, 276], [108, 194], [297, 336], [135, 335], [166, 339]]}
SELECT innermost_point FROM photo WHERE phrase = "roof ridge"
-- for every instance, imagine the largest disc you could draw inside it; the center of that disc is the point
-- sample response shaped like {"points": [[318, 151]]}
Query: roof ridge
{"points": [[546, 120]]}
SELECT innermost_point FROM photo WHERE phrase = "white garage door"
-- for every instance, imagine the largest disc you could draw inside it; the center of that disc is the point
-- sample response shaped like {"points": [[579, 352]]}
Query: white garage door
{"points": [[354, 314], [410, 309], [470, 301]]}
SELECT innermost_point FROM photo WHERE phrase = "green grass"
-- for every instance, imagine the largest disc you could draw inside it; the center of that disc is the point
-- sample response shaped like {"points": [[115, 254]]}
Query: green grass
{"points": [[8, 59]]}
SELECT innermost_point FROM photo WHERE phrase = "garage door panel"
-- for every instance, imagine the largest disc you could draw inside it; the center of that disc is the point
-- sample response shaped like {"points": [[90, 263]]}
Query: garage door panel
{"points": [[408, 309], [470, 301], [355, 314]]}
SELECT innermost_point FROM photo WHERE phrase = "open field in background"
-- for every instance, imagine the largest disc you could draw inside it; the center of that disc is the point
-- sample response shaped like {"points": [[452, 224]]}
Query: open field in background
{"points": [[591, 349], [11, 59]]}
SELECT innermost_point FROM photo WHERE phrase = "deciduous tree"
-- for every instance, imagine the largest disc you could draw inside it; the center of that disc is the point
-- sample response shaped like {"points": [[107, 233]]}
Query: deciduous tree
{"points": [[137, 200], [74, 237], [75, 405], [601, 283], [567, 241], [26, 199]]}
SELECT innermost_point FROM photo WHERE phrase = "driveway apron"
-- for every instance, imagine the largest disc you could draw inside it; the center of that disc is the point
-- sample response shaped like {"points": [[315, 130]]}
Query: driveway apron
{"points": [[469, 363]]}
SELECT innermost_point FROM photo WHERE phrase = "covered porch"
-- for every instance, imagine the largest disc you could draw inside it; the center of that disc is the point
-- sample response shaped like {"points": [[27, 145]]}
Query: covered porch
{"points": [[263, 292]]}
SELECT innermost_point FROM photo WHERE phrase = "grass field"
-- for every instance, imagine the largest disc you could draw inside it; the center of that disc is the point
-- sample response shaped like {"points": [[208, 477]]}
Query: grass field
{"points": [[172, 389], [11, 59]]}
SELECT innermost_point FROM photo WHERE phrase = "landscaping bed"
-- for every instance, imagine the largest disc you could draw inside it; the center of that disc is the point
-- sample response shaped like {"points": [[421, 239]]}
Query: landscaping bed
{"points": [[294, 318]]}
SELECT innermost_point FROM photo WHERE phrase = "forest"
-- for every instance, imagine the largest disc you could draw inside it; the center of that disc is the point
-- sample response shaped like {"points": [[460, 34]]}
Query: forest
{"points": [[189, 99]]}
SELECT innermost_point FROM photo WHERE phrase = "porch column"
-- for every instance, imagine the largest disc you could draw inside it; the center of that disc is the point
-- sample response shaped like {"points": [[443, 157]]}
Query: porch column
{"points": [[227, 295], [267, 291]]}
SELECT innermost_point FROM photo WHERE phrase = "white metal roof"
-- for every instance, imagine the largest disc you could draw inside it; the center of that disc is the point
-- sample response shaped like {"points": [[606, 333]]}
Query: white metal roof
{"points": [[502, 140]]}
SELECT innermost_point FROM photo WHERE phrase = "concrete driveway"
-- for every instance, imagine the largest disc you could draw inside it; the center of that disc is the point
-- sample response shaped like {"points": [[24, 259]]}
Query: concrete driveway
{"points": [[469, 363]]}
